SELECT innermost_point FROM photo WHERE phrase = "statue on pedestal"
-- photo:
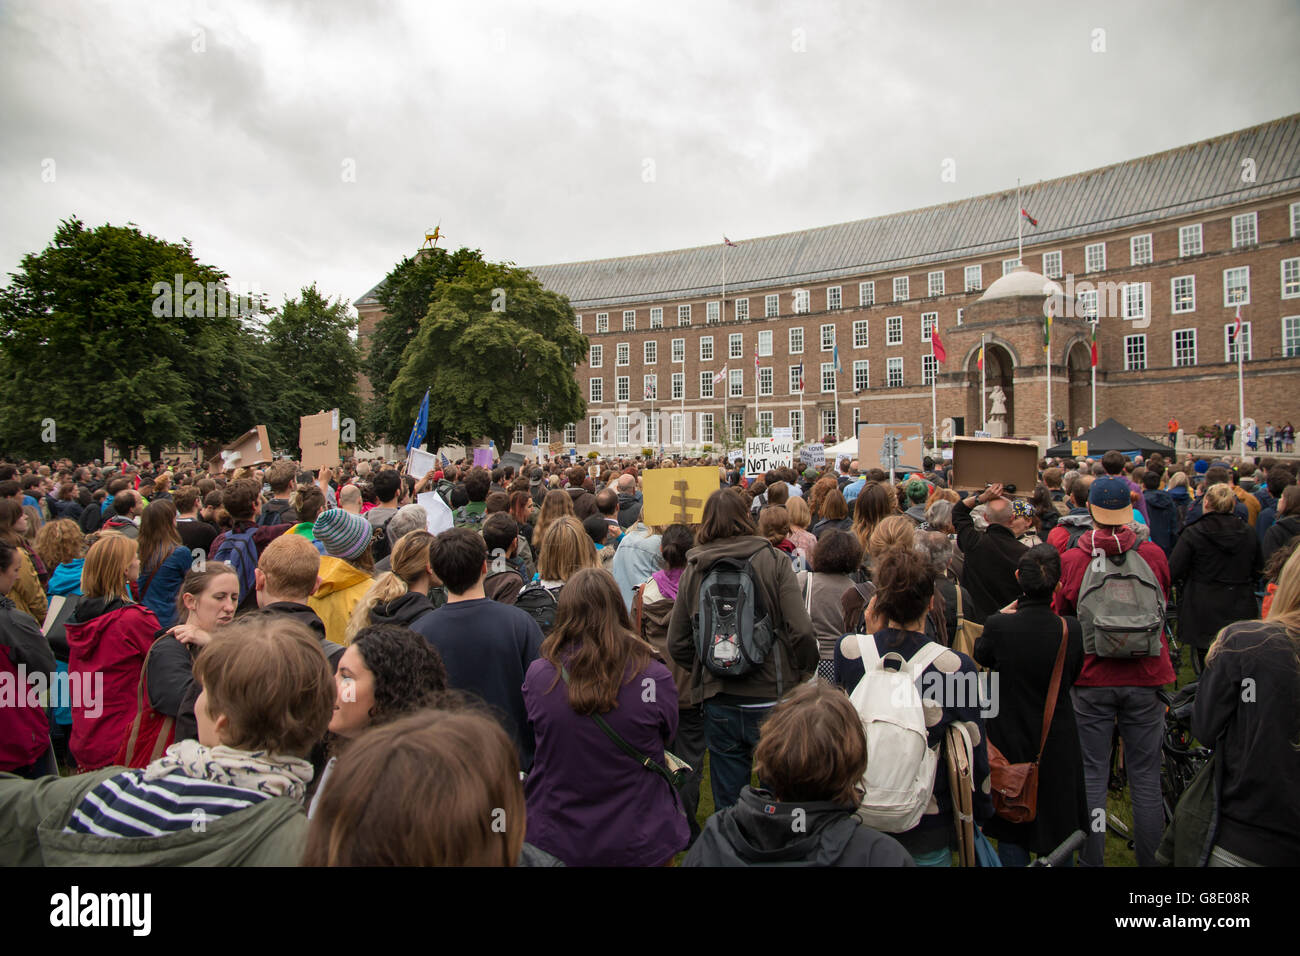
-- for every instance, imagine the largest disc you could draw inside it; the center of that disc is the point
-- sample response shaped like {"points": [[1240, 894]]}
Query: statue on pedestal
{"points": [[997, 423]]}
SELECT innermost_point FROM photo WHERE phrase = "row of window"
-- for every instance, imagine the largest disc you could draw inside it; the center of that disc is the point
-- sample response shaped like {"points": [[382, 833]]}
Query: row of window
{"points": [[1245, 232], [1184, 345], [632, 430]]}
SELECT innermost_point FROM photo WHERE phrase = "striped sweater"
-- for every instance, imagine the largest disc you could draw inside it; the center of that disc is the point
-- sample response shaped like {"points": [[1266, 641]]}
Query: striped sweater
{"points": [[126, 805]]}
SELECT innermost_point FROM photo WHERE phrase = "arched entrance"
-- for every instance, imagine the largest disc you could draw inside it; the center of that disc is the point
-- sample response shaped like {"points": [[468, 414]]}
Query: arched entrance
{"points": [[999, 372], [1078, 366]]}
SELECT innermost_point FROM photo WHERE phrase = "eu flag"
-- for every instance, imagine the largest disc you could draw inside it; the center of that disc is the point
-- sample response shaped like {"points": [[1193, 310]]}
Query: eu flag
{"points": [[421, 424]]}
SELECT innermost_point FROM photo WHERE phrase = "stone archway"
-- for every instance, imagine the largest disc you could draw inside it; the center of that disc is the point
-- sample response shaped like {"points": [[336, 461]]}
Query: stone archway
{"points": [[999, 371], [1078, 366]]}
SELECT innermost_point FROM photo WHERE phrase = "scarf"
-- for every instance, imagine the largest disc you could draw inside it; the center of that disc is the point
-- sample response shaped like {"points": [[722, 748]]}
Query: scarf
{"points": [[667, 580], [275, 775]]}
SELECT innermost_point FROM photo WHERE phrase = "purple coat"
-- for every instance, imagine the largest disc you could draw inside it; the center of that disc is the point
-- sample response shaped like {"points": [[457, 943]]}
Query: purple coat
{"points": [[589, 803]]}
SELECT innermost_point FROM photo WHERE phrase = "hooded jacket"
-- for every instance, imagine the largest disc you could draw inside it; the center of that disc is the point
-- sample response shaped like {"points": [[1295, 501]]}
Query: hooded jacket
{"points": [[629, 509], [27, 593], [24, 729], [342, 586], [107, 643], [1076, 519], [1214, 565], [1279, 534], [760, 831], [1164, 522], [306, 616], [796, 646], [403, 611], [270, 833]]}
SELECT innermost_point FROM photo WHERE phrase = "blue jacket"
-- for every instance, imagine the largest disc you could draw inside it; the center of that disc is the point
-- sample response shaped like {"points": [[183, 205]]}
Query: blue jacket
{"points": [[1164, 519], [165, 584], [66, 578]]}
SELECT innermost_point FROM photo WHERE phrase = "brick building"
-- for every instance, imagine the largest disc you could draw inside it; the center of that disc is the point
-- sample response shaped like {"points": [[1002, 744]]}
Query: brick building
{"points": [[1159, 250]]}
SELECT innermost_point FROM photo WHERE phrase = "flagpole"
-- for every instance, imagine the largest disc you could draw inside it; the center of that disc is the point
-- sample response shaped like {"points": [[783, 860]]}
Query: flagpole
{"points": [[984, 361], [1094, 375], [683, 413], [1020, 225], [726, 419], [724, 281], [1241, 389], [1047, 349], [934, 406], [756, 391], [803, 422]]}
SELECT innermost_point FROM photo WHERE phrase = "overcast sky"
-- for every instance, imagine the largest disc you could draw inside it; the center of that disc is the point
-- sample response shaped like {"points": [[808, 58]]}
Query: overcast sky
{"points": [[317, 141]]}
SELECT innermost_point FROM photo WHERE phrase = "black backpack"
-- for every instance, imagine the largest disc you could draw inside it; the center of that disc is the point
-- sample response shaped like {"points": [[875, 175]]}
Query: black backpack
{"points": [[1077, 531], [380, 545], [540, 602], [271, 516], [732, 627]]}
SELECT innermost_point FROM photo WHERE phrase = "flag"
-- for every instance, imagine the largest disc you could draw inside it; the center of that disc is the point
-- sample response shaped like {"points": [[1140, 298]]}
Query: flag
{"points": [[836, 359], [1047, 332], [1236, 330], [446, 462], [421, 424], [1094, 345], [936, 346], [755, 358], [1032, 221], [720, 376], [981, 361], [800, 367], [728, 242], [649, 392]]}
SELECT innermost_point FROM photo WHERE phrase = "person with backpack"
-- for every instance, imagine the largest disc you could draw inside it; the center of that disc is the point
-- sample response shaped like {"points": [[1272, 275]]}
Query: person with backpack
{"points": [[1077, 521], [308, 502], [1119, 589], [836, 558], [241, 546], [25, 747], [124, 516], [909, 690], [740, 626], [195, 533], [164, 561], [603, 711], [408, 518], [566, 549], [389, 495], [108, 638], [487, 646], [506, 571], [279, 509], [811, 759], [1036, 655], [1215, 567], [346, 570]]}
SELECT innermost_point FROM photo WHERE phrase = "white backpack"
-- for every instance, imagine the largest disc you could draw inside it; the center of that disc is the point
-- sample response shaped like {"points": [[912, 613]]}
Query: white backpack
{"points": [[900, 763]]}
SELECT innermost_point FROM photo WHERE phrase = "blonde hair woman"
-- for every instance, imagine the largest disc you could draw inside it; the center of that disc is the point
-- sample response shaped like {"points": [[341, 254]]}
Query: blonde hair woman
{"points": [[555, 505], [401, 595]]}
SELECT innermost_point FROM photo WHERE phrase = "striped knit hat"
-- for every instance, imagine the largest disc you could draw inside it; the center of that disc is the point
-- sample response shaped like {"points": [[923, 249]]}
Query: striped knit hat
{"points": [[344, 534]]}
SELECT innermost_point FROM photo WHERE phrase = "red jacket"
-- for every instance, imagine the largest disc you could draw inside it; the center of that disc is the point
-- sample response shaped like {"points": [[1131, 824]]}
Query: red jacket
{"points": [[107, 644], [24, 728], [1110, 671]]}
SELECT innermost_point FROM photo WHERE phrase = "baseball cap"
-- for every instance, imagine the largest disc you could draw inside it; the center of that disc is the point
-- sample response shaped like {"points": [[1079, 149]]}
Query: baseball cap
{"points": [[1110, 501]]}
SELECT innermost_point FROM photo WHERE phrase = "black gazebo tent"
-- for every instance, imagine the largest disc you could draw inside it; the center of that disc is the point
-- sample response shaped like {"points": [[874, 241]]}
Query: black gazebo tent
{"points": [[1110, 435]]}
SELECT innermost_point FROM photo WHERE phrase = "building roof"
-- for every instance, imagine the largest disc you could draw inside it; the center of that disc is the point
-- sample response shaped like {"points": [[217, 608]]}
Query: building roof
{"points": [[1180, 181]]}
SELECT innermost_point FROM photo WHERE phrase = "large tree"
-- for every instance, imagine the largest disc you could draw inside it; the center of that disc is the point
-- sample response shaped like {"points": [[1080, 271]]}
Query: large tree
{"points": [[96, 339], [309, 343], [405, 295], [495, 349]]}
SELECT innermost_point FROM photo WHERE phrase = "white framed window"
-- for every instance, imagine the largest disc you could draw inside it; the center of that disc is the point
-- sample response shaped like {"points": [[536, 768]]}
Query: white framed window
{"points": [[796, 340], [679, 385], [737, 425], [595, 430], [712, 313], [802, 301], [1182, 294], [1094, 257], [894, 330], [1135, 300], [765, 380], [1135, 353], [861, 375], [1230, 347], [706, 348], [629, 320], [1245, 230], [678, 350], [623, 388], [519, 434], [683, 315], [1290, 278], [894, 372], [650, 387], [1291, 335], [900, 289], [657, 317], [706, 428], [1236, 286], [796, 425], [736, 382], [929, 364], [741, 308], [621, 429], [934, 282], [1139, 250], [735, 345], [602, 321], [828, 376], [771, 305], [861, 334], [1189, 240], [974, 277], [828, 337], [1184, 344], [765, 343], [596, 356], [597, 392], [623, 354], [795, 372], [649, 352], [764, 424], [1087, 303], [543, 434], [929, 321], [960, 314], [1295, 219], [830, 422], [571, 435], [833, 298], [577, 322], [866, 293], [651, 430], [706, 385], [675, 424], [1052, 264], [1008, 265]]}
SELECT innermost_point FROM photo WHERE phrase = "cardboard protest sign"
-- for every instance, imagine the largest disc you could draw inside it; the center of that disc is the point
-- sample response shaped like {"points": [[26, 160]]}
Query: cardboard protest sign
{"points": [[980, 462], [318, 437], [556, 448], [512, 458], [439, 515], [251, 448], [1079, 449], [813, 455], [420, 463], [483, 457], [762, 454], [676, 495], [876, 444]]}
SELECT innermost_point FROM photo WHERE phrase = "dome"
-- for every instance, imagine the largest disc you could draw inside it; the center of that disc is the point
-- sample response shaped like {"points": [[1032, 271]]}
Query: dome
{"points": [[1021, 282]]}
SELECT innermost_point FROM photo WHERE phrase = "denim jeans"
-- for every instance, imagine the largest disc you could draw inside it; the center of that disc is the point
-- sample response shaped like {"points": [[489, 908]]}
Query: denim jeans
{"points": [[1141, 719], [731, 733]]}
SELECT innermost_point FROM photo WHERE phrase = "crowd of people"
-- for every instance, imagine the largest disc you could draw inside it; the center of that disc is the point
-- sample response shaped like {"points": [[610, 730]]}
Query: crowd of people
{"points": [[277, 666]]}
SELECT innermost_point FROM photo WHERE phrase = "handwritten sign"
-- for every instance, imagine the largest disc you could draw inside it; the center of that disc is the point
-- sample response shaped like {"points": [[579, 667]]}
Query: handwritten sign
{"points": [[318, 437], [813, 455], [763, 454], [676, 495]]}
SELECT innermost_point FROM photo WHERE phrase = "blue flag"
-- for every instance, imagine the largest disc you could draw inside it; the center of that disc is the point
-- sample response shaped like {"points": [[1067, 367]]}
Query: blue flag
{"points": [[446, 462], [836, 355], [421, 424]]}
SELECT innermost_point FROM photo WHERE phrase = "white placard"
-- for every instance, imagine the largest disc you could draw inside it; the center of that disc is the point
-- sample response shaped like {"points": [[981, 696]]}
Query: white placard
{"points": [[762, 454], [420, 463], [440, 516]]}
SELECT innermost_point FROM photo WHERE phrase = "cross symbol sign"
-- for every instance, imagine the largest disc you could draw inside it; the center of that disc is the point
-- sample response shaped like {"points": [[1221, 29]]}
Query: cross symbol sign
{"points": [[682, 502]]}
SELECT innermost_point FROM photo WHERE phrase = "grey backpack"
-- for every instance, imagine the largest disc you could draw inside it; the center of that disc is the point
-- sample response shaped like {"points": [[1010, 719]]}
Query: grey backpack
{"points": [[733, 630], [1121, 607]]}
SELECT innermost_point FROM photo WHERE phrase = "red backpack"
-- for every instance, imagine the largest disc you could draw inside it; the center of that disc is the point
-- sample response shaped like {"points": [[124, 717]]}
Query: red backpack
{"points": [[151, 733]]}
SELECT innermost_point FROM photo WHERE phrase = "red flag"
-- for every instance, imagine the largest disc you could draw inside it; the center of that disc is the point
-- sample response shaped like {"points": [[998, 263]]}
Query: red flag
{"points": [[981, 362], [1236, 332], [1094, 345], [728, 242], [936, 346], [1032, 220]]}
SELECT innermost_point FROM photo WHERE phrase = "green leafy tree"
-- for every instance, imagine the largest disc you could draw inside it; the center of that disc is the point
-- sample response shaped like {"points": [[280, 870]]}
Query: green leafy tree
{"points": [[495, 349], [308, 343], [405, 295]]}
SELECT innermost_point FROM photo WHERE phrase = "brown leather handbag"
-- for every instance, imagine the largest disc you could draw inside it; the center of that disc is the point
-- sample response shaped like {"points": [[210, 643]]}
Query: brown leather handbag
{"points": [[1015, 785]]}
